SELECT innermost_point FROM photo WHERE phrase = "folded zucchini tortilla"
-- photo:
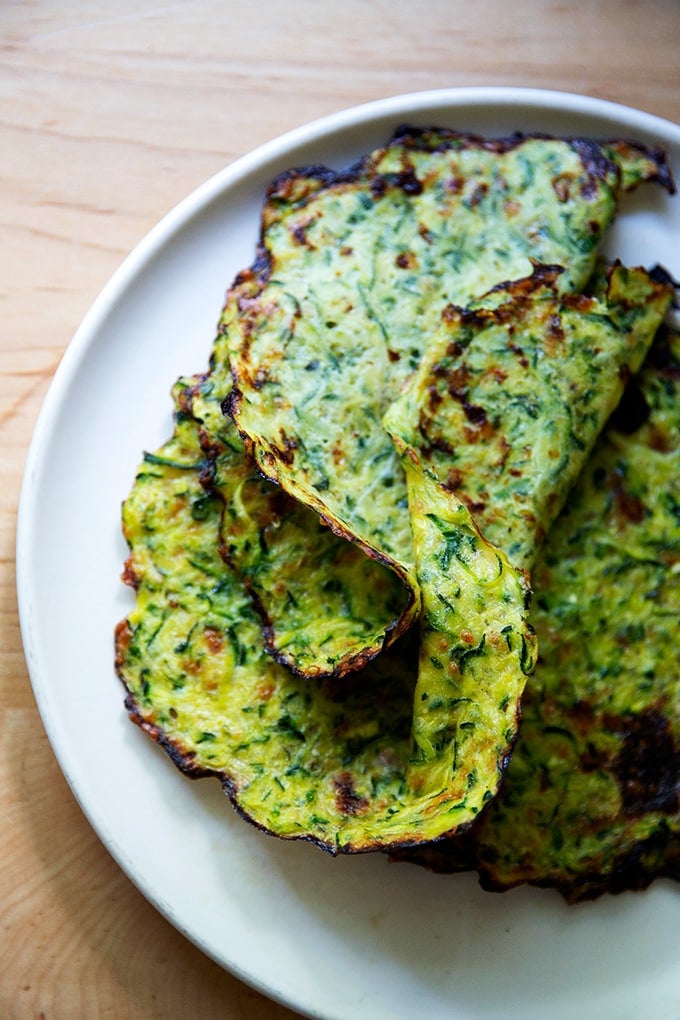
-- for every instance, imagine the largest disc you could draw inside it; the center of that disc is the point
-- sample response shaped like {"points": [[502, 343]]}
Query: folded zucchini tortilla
{"points": [[330, 760], [591, 799], [511, 394]]}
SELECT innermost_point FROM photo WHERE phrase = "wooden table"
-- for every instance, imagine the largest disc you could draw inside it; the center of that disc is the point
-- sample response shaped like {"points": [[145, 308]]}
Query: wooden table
{"points": [[110, 114]]}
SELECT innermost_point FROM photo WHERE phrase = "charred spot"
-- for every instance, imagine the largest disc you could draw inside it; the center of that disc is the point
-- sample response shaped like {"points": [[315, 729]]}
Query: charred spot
{"points": [[481, 317], [424, 139], [409, 183], [452, 314], [406, 260], [657, 156], [578, 302], [438, 443], [229, 406], [510, 312], [454, 479], [478, 194], [279, 505], [595, 163], [297, 184], [257, 273], [392, 355], [186, 395], [284, 186], [561, 187], [475, 414], [122, 639], [588, 187], [521, 356], [212, 448], [378, 186], [661, 275], [555, 330], [265, 689], [347, 800], [543, 275], [405, 179], [434, 399], [661, 441], [629, 507], [456, 381], [299, 234], [129, 574], [337, 454], [262, 266], [193, 666], [260, 378], [286, 451], [455, 184], [425, 233], [454, 350], [648, 765], [475, 506]]}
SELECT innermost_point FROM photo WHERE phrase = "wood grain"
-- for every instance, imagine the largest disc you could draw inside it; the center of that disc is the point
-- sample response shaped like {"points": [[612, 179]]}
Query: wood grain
{"points": [[109, 114]]}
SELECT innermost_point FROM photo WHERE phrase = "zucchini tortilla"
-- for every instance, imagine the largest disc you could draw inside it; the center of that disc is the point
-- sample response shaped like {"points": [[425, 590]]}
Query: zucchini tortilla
{"points": [[512, 393], [326, 760], [353, 274], [591, 799]]}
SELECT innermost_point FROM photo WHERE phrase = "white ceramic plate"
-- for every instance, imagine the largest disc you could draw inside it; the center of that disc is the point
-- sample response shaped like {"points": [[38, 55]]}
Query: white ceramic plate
{"points": [[350, 938]]}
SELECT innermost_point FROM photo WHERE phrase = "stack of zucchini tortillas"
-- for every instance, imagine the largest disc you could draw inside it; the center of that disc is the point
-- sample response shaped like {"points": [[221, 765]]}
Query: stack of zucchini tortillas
{"points": [[428, 397]]}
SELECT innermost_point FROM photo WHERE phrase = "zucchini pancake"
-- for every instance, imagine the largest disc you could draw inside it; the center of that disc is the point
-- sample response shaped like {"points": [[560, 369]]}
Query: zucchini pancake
{"points": [[331, 553]]}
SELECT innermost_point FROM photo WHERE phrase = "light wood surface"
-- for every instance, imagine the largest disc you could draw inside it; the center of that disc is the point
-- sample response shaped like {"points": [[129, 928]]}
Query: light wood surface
{"points": [[111, 113]]}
